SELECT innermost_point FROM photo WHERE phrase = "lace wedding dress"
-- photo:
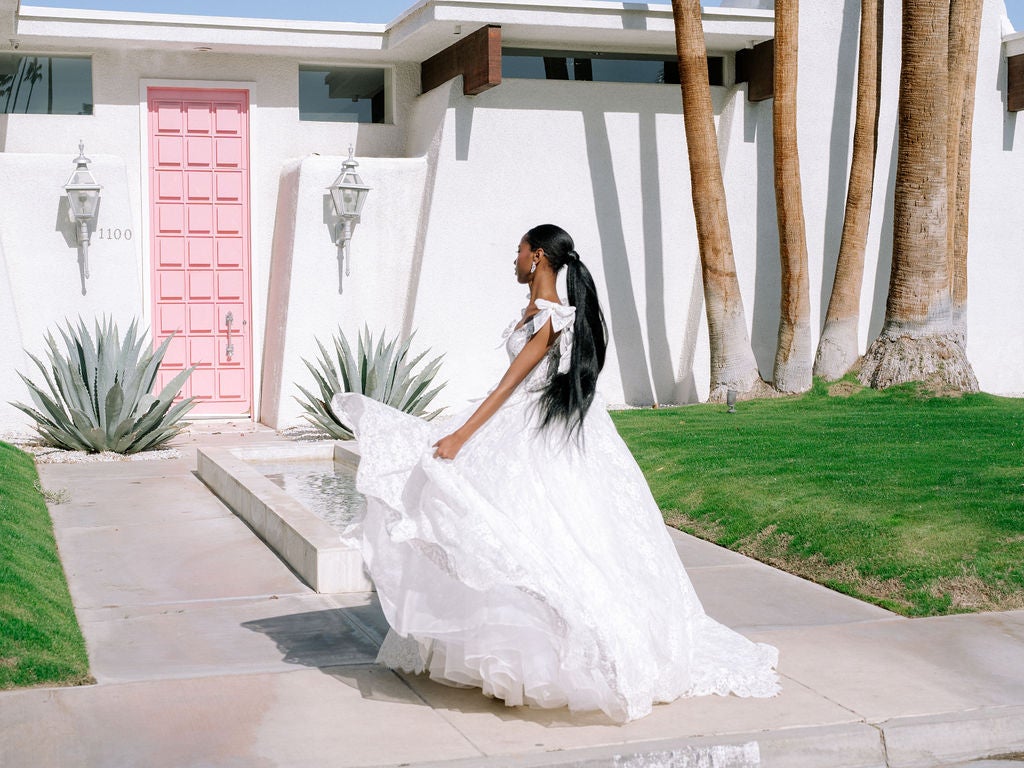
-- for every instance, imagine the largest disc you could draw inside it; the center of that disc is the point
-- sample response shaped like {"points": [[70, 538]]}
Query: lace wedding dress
{"points": [[534, 567]]}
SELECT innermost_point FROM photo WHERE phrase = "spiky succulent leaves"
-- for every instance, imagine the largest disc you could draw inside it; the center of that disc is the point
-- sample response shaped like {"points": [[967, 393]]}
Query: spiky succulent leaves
{"points": [[379, 369], [318, 411], [99, 391]]}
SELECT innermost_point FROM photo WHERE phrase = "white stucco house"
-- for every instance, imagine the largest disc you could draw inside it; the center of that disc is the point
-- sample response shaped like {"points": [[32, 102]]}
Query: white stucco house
{"points": [[215, 139]]}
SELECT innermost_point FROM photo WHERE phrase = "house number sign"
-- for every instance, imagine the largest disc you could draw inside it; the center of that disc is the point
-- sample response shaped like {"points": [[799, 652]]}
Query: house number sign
{"points": [[114, 233]]}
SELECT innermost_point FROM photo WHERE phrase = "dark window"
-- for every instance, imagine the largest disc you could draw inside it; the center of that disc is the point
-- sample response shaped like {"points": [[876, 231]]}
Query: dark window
{"points": [[602, 67], [45, 85], [349, 94]]}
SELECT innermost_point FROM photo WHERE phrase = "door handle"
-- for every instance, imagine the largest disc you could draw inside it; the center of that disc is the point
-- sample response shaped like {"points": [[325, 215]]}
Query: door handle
{"points": [[229, 320]]}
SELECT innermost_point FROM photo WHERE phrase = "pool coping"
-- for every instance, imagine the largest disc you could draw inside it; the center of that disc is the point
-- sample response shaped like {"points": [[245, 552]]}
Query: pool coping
{"points": [[311, 547]]}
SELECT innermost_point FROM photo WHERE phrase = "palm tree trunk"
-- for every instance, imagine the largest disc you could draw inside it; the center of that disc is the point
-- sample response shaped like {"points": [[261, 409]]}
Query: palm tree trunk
{"points": [[964, 34], [732, 360], [793, 354], [918, 342], [838, 348]]}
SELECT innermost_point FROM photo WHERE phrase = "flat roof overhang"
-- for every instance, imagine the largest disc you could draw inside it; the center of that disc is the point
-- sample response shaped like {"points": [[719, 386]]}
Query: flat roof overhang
{"points": [[1013, 44], [423, 30]]}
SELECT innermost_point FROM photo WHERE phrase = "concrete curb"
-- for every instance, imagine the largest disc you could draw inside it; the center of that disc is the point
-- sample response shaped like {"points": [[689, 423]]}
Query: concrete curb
{"points": [[909, 742], [923, 742]]}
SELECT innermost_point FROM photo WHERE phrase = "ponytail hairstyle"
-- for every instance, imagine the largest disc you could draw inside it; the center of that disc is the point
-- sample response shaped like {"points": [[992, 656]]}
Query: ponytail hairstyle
{"points": [[568, 395]]}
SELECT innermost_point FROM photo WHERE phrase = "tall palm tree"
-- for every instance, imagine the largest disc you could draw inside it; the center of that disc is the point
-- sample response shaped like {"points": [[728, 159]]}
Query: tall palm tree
{"points": [[793, 353], [732, 360], [838, 347], [918, 341], [964, 35]]}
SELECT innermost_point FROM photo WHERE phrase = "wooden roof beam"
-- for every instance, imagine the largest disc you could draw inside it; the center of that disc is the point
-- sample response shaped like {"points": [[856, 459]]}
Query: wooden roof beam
{"points": [[1015, 83], [477, 57], [756, 67]]}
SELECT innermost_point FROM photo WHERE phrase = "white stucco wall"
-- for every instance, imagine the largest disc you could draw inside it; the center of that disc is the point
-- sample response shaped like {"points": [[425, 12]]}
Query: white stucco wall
{"points": [[995, 264], [606, 161], [41, 276], [11, 353], [310, 296]]}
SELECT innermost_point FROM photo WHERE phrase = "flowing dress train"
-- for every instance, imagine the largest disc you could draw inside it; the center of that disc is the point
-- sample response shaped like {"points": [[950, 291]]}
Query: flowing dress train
{"points": [[535, 567]]}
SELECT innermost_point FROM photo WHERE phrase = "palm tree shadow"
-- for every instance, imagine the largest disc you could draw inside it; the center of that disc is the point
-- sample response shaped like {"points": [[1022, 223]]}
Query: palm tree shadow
{"points": [[839, 149], [623, 316], [768, 268], [883, 266]]}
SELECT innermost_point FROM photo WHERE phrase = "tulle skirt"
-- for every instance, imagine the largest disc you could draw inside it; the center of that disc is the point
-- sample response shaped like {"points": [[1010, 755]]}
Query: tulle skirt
{"points": [[535, 567]]}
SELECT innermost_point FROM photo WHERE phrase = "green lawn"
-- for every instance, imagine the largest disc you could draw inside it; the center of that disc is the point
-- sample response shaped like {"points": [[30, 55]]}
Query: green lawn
{"points": [[914, 503], [40, 641]]}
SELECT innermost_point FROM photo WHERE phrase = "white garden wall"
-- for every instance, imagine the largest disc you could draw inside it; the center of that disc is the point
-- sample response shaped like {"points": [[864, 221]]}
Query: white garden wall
{"points": [[42, 282], [310, 295]]}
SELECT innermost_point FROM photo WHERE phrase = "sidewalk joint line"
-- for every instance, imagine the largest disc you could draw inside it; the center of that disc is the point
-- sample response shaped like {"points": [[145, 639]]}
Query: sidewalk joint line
{"points": [[881, 737], [198, 601]]}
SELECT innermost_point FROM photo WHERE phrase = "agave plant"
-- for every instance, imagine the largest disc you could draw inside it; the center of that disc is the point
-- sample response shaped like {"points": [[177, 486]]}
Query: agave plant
{"points": [[99, 392], [378, 370]]}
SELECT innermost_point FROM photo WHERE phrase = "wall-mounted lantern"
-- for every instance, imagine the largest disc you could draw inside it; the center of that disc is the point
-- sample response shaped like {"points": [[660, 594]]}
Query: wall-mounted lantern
{"points": [[83, 199], [348, 193]]}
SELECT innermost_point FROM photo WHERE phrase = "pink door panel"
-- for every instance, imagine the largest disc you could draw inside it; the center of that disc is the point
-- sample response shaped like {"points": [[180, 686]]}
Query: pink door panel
{"points": [[199, 213]]}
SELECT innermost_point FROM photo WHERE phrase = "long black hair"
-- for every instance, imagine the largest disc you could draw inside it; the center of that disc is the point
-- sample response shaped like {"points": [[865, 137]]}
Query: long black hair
{"points": [[568, 395]]}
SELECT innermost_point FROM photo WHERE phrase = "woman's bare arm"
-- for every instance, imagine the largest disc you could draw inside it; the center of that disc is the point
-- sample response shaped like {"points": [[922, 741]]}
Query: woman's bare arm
{"points": [[525, 361]]}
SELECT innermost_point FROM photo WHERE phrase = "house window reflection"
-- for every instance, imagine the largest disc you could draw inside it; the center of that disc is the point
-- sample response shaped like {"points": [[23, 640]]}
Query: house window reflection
{"points": [[343, 94], [537, 64], [45, 85]]}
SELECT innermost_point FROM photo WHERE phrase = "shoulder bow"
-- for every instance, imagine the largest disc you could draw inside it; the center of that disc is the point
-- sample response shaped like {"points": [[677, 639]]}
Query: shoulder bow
{"points": [[562, 318]]}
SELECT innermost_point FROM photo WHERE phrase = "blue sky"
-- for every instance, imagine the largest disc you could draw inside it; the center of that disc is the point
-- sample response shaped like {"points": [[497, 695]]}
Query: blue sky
{"points": [[319, 10]]}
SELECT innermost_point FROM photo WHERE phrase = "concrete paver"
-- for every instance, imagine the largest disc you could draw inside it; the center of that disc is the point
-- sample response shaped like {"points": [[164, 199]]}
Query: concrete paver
{"points": [[882, 670], [215, 637], [209, 651], [200, 560], [353, 716]]}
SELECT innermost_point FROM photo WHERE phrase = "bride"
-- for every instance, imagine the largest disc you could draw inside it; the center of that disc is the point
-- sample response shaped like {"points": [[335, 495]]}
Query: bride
{"points": [[520, 550]]}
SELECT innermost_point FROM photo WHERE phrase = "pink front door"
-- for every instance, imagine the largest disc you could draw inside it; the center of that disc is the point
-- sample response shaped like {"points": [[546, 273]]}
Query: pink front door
{"points": [[199, 220]]}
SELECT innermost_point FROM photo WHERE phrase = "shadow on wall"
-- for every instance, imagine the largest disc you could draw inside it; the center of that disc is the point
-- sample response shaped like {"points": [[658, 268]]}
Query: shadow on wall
{"points": [[883, 266], [1009, 118], [768, 269], [622, 315], [659, 351], [463, 130], [839, 151], [68, 229], [279, 278], [332, 224], [427, 205]]}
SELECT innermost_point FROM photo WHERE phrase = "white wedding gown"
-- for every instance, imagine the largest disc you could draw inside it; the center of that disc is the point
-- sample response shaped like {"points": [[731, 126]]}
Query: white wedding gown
{"points": [[534, 567]]}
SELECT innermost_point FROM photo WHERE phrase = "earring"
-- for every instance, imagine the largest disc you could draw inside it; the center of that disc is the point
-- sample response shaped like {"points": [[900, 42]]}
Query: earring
{"points": [[533, 268]]}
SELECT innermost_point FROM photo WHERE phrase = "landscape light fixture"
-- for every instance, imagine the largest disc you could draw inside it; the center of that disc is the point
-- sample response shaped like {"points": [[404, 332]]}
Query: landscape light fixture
{"points": [[348, 193], [83, 195], [730, 400]]}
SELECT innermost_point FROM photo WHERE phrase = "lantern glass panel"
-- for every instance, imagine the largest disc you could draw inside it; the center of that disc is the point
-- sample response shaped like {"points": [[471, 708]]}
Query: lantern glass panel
{"points": [[88, 200]]}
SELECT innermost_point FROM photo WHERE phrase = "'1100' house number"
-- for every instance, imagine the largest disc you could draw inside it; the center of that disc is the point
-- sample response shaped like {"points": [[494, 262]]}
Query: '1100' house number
{"points": [[114, 233]]}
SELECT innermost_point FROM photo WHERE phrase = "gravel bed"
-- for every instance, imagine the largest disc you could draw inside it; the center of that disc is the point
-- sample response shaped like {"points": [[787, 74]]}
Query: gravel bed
{"points": [[29, 442]]}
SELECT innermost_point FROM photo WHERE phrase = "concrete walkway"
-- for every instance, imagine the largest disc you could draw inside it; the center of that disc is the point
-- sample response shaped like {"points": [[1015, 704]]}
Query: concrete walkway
{"points": [[209, 651]]}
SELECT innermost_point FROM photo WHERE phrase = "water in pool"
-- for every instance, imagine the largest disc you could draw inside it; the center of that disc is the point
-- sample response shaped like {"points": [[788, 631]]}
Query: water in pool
{"points": [[327, 489]]}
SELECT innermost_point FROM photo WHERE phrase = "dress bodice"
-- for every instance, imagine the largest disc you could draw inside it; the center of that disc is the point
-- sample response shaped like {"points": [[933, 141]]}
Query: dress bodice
{"points": [[557, 358]]}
